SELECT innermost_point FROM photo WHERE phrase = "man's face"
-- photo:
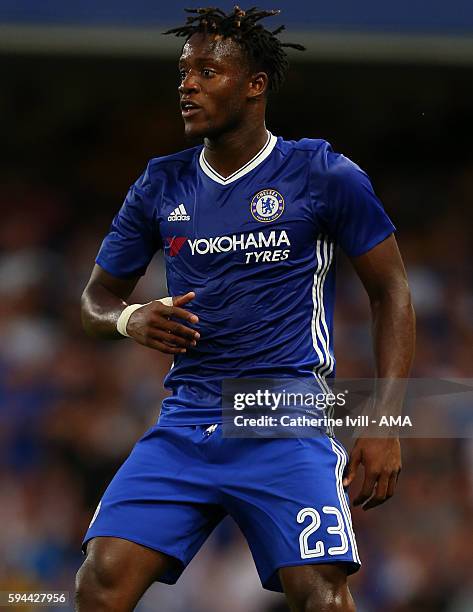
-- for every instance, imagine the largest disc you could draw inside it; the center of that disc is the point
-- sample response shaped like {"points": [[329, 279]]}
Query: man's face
{"points": [[214, 82]]}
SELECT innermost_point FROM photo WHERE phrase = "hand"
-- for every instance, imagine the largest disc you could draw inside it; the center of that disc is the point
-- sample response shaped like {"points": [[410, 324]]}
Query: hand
{"points": [[152, 327], [381, 459]]}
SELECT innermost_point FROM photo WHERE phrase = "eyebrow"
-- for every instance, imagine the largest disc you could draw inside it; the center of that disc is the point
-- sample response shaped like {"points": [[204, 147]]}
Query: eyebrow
{"points": [[200, 60]]}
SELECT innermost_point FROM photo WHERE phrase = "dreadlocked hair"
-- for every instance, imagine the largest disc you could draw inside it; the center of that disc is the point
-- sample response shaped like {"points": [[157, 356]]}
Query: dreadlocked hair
{"points": [[262, 47]]}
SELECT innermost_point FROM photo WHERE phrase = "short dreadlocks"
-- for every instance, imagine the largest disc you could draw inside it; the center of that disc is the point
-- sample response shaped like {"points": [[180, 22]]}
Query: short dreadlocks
{"points": [[263, 50]]}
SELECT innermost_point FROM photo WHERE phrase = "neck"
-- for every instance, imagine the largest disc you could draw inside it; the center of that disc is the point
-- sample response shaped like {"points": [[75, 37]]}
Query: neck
{"points": [[230, 151]]}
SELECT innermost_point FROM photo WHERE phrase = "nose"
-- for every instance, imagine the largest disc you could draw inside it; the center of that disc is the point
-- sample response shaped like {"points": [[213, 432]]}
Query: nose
{"points": [[189, 84]]}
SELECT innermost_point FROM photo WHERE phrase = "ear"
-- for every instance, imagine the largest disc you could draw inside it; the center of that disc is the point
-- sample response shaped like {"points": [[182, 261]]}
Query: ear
{"points": [[258, 85]]}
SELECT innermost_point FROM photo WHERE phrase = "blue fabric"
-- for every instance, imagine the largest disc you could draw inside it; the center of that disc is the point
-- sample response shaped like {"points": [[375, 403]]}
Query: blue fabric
{"points": [[264, 281], [179, 482]]}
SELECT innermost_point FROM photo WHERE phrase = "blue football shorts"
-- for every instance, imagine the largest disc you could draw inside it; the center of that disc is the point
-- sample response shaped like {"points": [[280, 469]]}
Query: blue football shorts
{"points": [[286, 495]]}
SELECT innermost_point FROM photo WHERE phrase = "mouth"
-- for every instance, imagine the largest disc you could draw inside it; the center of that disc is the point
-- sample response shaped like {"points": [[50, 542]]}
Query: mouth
{"points": [[189, 108]]}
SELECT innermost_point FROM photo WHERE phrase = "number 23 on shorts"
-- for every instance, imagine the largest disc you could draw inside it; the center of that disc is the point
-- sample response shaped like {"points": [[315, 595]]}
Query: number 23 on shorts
{"points": [[315, 522]]}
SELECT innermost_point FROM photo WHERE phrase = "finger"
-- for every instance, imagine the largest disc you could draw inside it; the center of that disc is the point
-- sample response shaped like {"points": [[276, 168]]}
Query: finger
{"points": [[177, 329], [351, 468], [180, 300], [178, 313], [392, 484], [164, 348], [380, 494], [367, 488], [158, 322], [171, 339]]}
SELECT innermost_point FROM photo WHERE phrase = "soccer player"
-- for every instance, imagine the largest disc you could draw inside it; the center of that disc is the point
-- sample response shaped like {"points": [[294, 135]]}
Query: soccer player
{"points": [[249, 224]]}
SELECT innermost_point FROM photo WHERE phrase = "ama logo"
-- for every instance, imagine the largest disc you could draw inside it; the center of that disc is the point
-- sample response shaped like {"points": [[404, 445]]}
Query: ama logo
{"points": [[175, 244]]}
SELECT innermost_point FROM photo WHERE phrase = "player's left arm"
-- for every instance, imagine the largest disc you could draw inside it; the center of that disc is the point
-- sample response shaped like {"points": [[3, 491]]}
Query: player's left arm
{"points": [[382, 273]]}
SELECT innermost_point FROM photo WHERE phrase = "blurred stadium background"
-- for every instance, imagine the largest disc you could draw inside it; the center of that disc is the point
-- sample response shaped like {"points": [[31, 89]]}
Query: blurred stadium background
{"points": [[87, 96]]}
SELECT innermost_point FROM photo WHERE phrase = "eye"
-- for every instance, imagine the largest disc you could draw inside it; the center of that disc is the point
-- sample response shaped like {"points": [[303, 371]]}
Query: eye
{"points": [[182, 74], [207, 72]]}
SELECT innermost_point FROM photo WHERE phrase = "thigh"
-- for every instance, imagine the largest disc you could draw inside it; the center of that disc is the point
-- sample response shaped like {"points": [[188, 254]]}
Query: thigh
{"points": [[290, 503], [118, 572], [317, 587], [161, 498]]}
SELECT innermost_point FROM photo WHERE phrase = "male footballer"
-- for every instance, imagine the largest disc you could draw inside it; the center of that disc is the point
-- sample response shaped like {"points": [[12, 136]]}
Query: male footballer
{"points": [[249, 224]]}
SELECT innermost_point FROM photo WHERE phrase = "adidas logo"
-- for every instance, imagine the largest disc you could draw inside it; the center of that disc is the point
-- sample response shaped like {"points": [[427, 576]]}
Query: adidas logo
{"points": [[179, 214]]}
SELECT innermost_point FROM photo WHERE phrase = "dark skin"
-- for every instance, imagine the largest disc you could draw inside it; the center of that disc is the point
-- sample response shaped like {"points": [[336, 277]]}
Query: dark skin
{"points": [[232, 101], [229, 114]]}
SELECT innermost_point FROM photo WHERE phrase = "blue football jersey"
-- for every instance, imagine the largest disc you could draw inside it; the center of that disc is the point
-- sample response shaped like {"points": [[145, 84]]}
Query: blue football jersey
{"points": [[258, 249]]}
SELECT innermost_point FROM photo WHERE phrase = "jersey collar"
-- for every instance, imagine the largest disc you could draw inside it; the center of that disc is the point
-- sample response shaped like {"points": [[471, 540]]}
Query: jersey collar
{"points": [[248, 167]]}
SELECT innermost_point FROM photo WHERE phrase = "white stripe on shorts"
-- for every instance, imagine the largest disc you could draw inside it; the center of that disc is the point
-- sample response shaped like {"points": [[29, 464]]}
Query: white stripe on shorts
{"points": [[341, 462]]}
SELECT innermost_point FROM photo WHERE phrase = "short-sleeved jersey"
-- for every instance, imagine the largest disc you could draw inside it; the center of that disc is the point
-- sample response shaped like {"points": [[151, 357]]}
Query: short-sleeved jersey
{"points": [[258, 249]]}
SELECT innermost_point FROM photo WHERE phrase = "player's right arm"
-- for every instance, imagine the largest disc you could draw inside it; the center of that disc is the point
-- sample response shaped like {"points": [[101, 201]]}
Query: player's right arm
{"points": [[154, 325]]}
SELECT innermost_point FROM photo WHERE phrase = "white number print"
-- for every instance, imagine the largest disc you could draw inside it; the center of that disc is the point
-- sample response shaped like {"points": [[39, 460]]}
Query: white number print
{"points": [[313, 526], [338, 529], [306, 551]]}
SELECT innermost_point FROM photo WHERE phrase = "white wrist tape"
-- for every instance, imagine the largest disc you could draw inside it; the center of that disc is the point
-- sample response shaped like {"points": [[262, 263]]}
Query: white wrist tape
{"points": [[129, 310]]}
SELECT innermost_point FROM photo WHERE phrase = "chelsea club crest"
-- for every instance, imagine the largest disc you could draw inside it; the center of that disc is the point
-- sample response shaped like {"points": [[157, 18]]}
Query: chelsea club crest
{"points": [[267, 205]]}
